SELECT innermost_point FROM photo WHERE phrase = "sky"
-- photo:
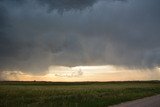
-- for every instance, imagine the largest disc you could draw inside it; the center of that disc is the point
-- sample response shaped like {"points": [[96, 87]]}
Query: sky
{"points": [[79, 40]]}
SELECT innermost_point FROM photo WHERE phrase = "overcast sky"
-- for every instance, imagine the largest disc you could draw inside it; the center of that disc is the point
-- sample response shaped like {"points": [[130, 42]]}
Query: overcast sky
{"points": [[37, 34]]}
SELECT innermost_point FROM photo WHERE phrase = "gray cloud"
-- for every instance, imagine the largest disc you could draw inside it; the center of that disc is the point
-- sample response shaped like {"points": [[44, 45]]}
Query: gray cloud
{"points": [[71, 73], [90, 32], [66, 5]]}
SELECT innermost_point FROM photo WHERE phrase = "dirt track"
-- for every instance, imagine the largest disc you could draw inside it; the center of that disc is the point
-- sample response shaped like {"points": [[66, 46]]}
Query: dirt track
{"points": [[153, 101]]}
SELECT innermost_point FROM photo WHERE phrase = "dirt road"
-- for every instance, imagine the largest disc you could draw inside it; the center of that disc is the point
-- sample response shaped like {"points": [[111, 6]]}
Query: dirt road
{"points": [[153, 101]]}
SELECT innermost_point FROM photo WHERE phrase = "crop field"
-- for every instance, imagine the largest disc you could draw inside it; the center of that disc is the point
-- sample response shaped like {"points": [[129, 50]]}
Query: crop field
{"points": [[73, 94]]}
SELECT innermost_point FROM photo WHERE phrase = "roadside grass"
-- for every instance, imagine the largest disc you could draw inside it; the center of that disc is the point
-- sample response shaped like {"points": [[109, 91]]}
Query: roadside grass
{"points": [[82, 94]]}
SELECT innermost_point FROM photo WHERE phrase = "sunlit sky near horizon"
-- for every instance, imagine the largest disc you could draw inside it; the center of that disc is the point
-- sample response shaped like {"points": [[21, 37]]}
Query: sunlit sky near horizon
{"points": [[79, 40], [85, 73]]}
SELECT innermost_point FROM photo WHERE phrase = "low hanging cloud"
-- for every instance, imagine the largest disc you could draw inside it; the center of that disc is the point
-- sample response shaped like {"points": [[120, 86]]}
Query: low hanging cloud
{"points": [[66, 5], [90, 73], [37, 34], [62, 71]]}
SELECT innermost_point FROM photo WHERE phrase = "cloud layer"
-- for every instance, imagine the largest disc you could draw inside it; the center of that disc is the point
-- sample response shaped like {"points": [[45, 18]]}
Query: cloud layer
{"points": [[37, 34]]}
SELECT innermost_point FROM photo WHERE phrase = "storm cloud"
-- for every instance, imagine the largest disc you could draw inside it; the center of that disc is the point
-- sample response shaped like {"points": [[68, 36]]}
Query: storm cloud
{"points": [[36, 34]]}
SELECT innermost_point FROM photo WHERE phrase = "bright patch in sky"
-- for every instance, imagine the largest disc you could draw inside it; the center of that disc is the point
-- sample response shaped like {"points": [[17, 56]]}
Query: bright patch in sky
{"points": [[79, 70], [86, 73]]}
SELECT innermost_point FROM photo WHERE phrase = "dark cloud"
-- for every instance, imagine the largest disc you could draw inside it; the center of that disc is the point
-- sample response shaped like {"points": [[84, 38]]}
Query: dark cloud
{"points": [[66, 5], [89, 32]]}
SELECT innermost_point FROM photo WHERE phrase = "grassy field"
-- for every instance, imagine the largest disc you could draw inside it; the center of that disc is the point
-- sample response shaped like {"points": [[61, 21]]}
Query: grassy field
{"points": [[81, 94]]}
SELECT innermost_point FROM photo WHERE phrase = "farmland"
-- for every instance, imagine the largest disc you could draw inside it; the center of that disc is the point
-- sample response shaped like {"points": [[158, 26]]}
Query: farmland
{"points": [[73, 94]]}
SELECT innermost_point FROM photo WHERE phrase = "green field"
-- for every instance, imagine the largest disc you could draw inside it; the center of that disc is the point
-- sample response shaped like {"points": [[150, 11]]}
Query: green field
{"points": [[75, 94]]}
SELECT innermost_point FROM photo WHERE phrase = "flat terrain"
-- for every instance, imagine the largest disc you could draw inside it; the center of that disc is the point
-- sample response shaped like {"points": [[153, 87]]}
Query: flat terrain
{"points": [[75, 94]]}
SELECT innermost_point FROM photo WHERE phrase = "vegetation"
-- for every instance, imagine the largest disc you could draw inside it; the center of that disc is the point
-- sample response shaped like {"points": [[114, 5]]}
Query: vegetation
{"points": [[75, 94]]}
